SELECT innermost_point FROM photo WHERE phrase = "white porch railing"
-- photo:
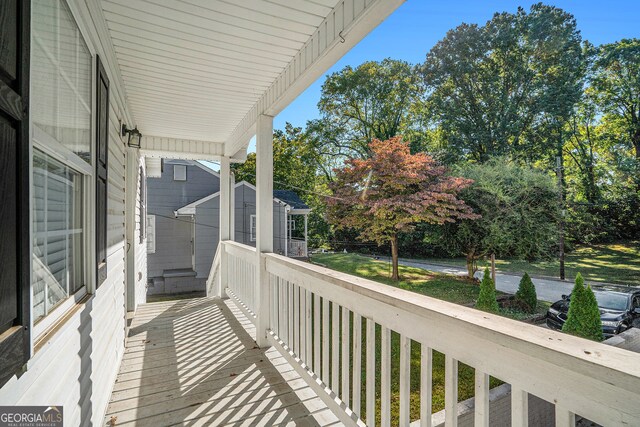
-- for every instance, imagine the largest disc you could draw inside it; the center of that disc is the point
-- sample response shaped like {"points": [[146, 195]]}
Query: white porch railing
{"points": [[320, 319], [241, 269], [297, 248]]}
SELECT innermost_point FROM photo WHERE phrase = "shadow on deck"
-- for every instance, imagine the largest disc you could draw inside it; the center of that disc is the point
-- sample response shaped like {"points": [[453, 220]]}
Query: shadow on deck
{"points": [[195, 362]]}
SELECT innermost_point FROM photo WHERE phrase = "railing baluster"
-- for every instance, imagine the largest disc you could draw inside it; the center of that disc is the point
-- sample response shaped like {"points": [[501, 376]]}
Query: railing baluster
{"points": [[564, 417], [357, 363], [308, 333], [325, 341], [272, 303], [283, 307], [426, 379], [296, 319], [346, 327], [385, 380], [481, 410], [519, 407], [316, 335], [405, 379], [303, 324], [370, 382], [285, 300], [290, 312], [335, 347], [450, 392]]}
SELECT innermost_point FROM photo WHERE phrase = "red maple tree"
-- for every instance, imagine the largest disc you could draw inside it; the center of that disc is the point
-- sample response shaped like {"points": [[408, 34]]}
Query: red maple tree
{"points": [[392, 191]]}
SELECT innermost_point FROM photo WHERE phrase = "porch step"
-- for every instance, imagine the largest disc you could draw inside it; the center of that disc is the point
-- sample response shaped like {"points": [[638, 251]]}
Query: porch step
{"points": [[179, 272], [176, 282]]}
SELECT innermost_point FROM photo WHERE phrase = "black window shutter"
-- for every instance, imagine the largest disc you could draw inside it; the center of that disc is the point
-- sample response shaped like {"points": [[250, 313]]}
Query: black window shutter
{"points": [[143, 205], [15, 266], [102, 168]]}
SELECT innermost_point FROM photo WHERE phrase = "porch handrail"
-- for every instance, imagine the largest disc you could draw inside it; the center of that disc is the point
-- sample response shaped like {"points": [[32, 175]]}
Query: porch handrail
{"points": [[593, 380]]}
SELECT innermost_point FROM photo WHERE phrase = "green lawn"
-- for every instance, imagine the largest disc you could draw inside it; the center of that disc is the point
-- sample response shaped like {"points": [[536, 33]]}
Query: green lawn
{"points": [[612, 263], [437, 285], [441, 286]]}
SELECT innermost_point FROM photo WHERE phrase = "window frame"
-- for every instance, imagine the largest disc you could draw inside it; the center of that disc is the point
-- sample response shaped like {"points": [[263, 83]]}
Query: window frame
{"points": [[253, 228], [151, 223], [183, 167], [42, 141], [142, 177]]}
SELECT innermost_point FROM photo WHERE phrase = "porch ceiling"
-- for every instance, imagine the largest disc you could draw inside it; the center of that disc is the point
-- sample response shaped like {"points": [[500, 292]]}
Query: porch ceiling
{"points": [[202, 70]]}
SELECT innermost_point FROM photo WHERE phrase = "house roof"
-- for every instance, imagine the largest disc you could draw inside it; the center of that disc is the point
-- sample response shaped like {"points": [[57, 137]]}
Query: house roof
{"points": [[291, 198]]}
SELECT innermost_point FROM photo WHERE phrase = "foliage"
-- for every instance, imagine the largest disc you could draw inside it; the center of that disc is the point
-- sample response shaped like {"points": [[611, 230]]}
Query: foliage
{"points": [[615, 82], [391, 191], [583, 319], [518, 214], [372, 101], [502, 88], [487, 296], [527, 293]]}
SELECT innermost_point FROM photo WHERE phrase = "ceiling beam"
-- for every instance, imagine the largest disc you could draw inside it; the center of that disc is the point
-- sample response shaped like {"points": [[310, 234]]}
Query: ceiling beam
{"points": [[348, 23], [186, 149]]}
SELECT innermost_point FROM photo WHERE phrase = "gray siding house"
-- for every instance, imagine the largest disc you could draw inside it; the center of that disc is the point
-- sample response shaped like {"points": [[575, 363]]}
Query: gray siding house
{"points": [[183, 224]]}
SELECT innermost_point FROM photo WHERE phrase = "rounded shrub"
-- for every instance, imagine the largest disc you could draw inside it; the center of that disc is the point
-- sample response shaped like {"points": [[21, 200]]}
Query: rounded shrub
{"points": [[487, 296], [527, 294], [583, 319]]}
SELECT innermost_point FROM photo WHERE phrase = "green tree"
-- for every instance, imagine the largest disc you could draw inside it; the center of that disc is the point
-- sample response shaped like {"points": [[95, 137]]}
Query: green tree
{"points": [[391, 191], [294, 162], [527, 293], [583, 319], [500, 89], [582, 149], [487, 296], [518, 214], [615, 82], [371, 101]]}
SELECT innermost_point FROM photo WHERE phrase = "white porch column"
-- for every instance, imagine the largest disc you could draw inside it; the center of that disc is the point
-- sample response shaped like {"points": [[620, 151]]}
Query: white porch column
{"points": [[306, 238], [232, 207], [264, 221], [286, 232], [224, 229]]}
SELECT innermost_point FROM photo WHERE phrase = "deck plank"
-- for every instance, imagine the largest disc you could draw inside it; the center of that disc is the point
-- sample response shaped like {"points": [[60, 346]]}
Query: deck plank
{"points": [[195, 362]]}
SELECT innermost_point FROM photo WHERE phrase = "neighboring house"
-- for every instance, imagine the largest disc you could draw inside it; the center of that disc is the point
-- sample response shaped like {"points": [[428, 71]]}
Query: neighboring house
{"points": [[183, 207]]}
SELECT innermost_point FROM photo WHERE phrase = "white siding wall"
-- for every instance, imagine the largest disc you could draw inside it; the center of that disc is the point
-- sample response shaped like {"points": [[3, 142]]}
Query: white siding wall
{"points": [[77, 366]]}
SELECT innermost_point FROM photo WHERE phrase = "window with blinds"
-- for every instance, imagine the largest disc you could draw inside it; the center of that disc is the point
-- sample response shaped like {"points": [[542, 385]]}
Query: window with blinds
{"points": [[57, 233], [62, 169]]}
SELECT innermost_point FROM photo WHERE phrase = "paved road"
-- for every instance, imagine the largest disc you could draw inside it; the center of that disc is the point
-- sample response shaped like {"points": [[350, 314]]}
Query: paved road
{"points": [[547, 289]]}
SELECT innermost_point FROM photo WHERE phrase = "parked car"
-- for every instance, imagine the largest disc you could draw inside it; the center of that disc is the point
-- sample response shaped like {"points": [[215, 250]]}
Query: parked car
{"points": [[619, 309]]}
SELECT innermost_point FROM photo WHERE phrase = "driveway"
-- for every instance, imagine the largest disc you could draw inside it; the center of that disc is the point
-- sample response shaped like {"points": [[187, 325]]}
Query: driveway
{"points": [[547, 289]]}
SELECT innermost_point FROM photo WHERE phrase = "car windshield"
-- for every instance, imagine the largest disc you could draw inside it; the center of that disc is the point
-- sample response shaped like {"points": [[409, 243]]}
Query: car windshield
{"points": [[611, 301]]}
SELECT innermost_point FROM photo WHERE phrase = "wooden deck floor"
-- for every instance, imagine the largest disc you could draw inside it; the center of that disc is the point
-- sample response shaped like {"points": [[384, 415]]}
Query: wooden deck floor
{"points": [[195, 362]]}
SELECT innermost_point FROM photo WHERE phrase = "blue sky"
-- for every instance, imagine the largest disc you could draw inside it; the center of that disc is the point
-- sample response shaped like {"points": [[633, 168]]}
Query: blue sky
{"points": [[411, 31]]}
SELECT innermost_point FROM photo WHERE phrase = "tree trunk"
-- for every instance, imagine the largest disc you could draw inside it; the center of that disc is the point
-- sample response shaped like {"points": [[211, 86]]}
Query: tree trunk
{"points": [[635, 139], [636, 145], [394, 257], [471, 272]]}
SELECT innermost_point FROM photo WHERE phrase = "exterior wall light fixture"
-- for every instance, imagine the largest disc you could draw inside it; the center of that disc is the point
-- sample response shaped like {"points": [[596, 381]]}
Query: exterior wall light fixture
{"points": [[134, 136]]}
